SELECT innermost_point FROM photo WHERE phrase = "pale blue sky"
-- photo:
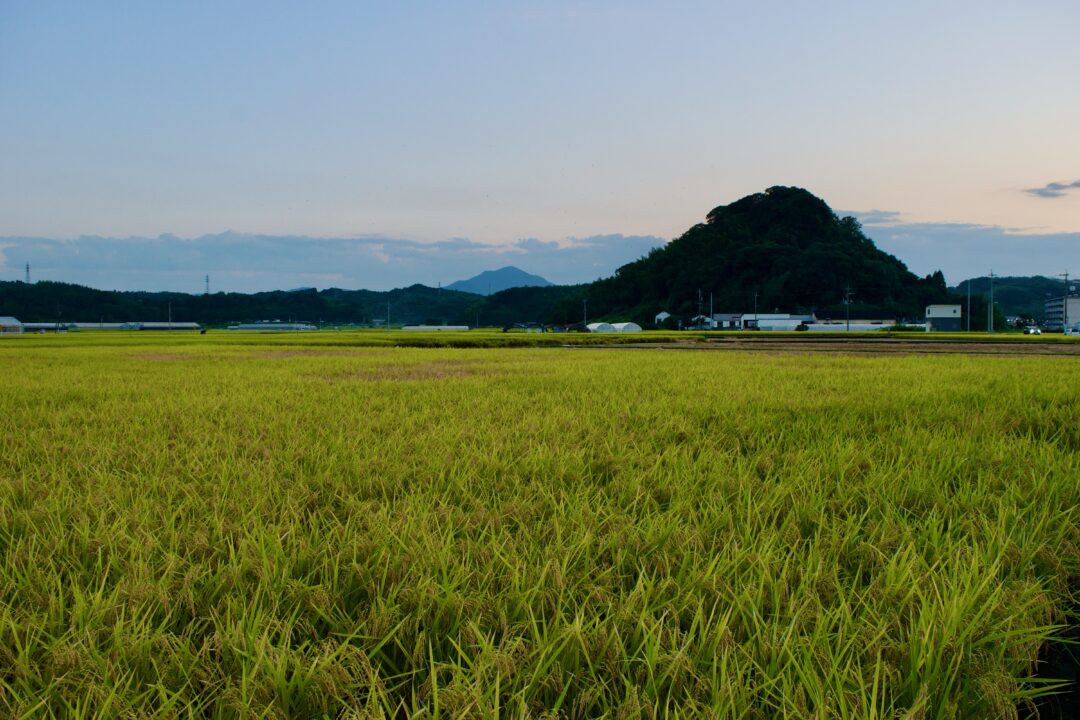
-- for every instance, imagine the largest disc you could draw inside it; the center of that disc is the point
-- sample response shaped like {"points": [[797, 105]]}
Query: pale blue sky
{"points": [[495, 122]]}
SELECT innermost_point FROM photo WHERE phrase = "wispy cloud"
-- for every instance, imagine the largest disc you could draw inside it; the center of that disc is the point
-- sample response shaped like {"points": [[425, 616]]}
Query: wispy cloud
{"points": [[1054, 189], [873, 217], [246, 263]]}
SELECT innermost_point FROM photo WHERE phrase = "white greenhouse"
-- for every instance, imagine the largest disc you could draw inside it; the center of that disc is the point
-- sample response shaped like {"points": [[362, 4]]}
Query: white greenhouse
{"points": [[626, 327], [601, 327], [10, 326]]}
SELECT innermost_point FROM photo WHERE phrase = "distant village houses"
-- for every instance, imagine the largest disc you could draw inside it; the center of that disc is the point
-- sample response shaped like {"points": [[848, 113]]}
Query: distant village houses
{"points": [[784, 322]]}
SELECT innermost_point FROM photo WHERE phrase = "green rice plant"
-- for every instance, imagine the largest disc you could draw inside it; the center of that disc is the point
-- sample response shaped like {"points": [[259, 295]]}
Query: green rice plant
{"points": [[281, 526]]}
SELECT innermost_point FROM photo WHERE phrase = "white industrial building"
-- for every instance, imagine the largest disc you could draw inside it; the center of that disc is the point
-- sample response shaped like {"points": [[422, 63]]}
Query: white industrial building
{"points": [[774, 321], [160, 326], [786, 321], [1059, 314], [65, 326], [727, 321], [273, 325], [943, 318], [853, 326], [95, 326], [10, 326], [42, 327]]}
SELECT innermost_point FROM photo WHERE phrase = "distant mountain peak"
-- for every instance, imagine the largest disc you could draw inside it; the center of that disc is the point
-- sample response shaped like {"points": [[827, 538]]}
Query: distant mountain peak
{"points": [[493, 281]]}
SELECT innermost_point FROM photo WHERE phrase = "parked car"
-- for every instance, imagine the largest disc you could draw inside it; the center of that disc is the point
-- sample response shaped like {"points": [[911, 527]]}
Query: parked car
{"points": [[1030, 330]]}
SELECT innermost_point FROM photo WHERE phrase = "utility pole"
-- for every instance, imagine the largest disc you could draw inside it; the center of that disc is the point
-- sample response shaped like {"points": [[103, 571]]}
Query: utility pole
{"points": [[387, 314], [847, 309], [208, 284], [1065, 303], [170, 316], [585, 310], [969, 305], [755, 306], [712, 315], [27, 273], [990, 307], [699, 304]]}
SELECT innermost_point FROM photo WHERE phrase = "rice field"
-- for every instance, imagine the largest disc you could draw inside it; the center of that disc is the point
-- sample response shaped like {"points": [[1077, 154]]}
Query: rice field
{"points": [[283, 527]]}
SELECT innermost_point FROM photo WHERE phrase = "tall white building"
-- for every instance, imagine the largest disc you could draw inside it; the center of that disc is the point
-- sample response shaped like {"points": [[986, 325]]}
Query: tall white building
{"points": [[1055, 319]]}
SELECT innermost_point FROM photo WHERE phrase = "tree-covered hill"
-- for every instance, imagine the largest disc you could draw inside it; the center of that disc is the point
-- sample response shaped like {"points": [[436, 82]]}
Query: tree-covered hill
{"points": [[786, 246], [1021, 296], [50, 301], [53, 301]]}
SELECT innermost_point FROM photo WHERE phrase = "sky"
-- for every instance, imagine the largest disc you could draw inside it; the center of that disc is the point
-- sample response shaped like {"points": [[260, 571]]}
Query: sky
{"points": [[360, 144]]}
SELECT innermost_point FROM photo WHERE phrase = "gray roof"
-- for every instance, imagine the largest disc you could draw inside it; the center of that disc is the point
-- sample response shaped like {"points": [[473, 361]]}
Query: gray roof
{"points": [[273, 326], [175, 325], [8, 320]]}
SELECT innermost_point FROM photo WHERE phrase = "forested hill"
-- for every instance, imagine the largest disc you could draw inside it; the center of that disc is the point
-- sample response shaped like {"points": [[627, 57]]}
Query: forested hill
{"points": [[1021, 296], [785, 245], [50, 301]]}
